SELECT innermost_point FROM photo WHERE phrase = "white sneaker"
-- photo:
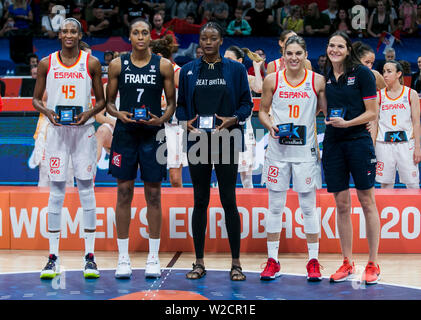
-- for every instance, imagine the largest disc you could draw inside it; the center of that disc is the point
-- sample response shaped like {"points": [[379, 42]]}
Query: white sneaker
{"points": [[124, 270], [153, 268], [52, 268]]}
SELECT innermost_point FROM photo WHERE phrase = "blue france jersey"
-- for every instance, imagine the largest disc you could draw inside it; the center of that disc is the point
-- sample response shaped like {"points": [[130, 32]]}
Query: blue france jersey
{"points": [[140, 87]]}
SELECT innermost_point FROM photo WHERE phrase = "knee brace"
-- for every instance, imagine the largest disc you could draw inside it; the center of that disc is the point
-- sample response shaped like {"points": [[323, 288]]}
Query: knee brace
{"points": [[308, 207], [277, 201], [87, 200], [55, 204]]}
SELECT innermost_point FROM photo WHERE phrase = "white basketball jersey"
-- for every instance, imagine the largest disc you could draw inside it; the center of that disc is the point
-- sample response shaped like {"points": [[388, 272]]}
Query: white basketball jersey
{"points": [[395, 114], [69, 85], [279, 64], [296, 105], [163, 98]]}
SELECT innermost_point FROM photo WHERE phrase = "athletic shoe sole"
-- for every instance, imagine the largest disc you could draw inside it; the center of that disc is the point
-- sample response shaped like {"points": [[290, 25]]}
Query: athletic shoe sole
{"points": [[372, 282], [349, 277], [49, 276], [123, 276], [91, 274], [268, 278], [314, 279], [152, 275]]}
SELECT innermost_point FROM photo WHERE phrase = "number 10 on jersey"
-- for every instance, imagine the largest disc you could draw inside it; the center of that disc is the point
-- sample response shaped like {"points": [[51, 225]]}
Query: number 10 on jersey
{"points": [[294, 111]]}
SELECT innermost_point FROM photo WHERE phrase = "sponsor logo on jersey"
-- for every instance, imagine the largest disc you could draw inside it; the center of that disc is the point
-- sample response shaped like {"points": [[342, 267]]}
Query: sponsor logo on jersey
{"points": [[293, 95], [351, 81], [152, 68], [68, 75], [394, 106]]}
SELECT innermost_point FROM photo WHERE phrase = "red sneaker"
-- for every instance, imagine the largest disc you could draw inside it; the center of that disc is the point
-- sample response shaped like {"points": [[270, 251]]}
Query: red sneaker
{"points": [[345, 272], [371, 273], [271, 271], [313, 270]]}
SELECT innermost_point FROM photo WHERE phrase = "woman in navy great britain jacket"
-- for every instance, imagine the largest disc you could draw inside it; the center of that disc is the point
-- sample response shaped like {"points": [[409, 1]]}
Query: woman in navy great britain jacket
{"points": [[214, 95]]}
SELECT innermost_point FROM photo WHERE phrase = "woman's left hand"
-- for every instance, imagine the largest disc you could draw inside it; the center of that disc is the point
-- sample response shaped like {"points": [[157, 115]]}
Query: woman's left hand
{"points": [[337, 122], [417, 155], [226, 122]]}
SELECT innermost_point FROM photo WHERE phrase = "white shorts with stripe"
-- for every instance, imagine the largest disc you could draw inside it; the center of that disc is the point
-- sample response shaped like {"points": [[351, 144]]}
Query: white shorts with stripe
{"points": [[175, 155], [396, 156], [306, 176], [71, 143]]}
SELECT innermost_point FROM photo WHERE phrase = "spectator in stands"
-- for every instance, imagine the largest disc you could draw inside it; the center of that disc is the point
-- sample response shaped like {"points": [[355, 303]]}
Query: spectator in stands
{"points": [[315, 22], [321, 63], [77, 14], [332, 10], [158, 31], [111, 10], [406, 66], [47, 28], [261, 20], [199, 52], [33, 60], [100, 26], [8, 26], [239, 26], [416, 77], [380, 21], [418, 21], [342, 23], [389, 55], [135, 9], [183, 8], [282, 13], [220, 13], [155, 5], [295, 21], [408, 12], [21, 12], [67, 4], [108, 57], [28, 84]]}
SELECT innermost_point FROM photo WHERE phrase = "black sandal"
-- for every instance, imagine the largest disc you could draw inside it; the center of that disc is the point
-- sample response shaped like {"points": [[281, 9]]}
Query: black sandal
{"points": [[236, 274], [197, 272]]}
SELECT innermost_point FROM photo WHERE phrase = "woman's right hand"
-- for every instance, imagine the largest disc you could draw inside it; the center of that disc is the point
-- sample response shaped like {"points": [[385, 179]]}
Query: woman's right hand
{"points": [[190, 127], [125, 117], [273, 130], [52, 116]]}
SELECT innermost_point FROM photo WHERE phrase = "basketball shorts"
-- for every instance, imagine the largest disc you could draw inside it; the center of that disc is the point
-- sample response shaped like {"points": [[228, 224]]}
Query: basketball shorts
{"points": [[306, 176], [71, 143], [174, 138], [131, 150], [344, 158], [246, 158], [396, 156]]}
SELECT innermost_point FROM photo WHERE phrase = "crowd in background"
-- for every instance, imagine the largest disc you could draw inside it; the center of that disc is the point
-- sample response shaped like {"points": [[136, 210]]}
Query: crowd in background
{"points": [[104, 18], [240, 18]]}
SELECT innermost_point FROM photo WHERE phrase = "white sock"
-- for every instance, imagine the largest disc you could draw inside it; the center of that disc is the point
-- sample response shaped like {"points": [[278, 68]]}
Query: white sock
{"points": [[54, 239], [313, 250], [153, 248], [89, 242], [123, 247], [273, 248]]}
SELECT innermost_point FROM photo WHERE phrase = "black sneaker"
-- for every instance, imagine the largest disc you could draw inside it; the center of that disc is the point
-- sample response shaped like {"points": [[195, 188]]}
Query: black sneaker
{"points": [[52, 268], [91, 271]]}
